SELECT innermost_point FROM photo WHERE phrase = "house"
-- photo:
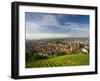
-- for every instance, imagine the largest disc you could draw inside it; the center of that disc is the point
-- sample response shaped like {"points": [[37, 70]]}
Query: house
{"points": [[84, 51]]}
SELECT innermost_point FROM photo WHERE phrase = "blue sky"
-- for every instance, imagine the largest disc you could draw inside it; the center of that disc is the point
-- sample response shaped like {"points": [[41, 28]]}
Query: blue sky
{"points": [[47, 25]]}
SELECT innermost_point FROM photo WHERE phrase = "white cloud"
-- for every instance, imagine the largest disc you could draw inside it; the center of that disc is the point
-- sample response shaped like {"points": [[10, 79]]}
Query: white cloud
{"points": [[77, 27], [48, 20], [32, 27], [45, 35]]}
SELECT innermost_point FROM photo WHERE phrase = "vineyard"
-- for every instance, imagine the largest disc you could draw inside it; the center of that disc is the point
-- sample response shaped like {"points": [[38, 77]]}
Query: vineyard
{"points": [[64, 60]]}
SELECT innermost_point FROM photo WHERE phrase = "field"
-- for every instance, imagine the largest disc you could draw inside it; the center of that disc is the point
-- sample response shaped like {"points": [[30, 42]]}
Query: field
{"points": [[59, 61]]}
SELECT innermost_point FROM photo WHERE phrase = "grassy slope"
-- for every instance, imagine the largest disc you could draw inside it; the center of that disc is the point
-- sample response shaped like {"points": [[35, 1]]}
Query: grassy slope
{"points": [[65, 60]]}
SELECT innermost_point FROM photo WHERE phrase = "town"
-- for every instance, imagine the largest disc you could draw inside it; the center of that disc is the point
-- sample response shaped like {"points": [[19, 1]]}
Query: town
{"points": [[56, 47]]}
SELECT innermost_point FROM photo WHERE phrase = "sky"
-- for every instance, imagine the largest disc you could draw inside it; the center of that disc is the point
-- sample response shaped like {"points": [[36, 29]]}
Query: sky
{"points": [[49, 25]]}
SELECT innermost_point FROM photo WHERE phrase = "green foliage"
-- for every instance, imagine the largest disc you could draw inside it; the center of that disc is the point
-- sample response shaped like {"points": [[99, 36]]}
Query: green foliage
{"points": [[35, 56], [81, 45], [65, 60]]}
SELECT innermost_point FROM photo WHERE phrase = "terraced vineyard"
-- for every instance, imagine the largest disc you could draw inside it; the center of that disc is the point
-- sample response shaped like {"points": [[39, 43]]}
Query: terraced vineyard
{"points": [[65, 60]]}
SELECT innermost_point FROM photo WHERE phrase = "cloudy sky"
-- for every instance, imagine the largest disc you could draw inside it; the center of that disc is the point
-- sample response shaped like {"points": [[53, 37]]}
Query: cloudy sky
{"points": [[46, 25]]}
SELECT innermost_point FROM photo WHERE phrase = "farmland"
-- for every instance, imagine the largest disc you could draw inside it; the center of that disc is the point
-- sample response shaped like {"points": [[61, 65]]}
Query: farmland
{"points": [[64, 60]]}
